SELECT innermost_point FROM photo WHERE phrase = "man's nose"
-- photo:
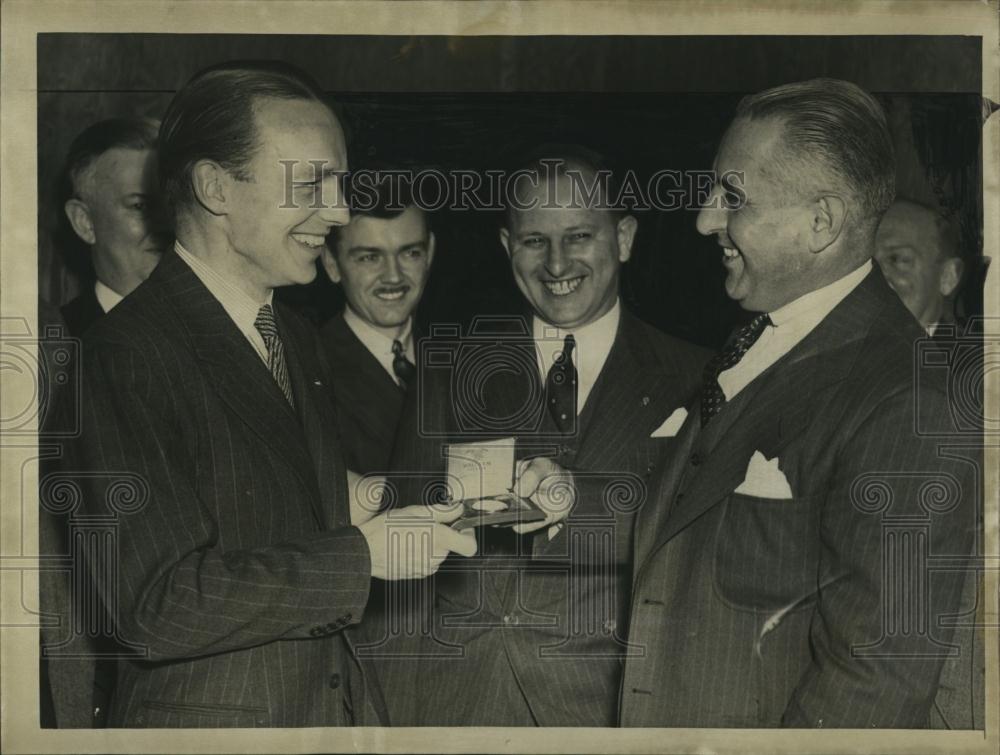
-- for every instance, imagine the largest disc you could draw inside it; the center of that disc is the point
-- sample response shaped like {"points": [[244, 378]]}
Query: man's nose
{"points": [[556, 260], [712, 217], [391, 270], [334, 209]]}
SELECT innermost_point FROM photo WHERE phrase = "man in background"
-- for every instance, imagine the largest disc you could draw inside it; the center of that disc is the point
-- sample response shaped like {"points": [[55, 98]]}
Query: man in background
{"points": [[381, 259], [917, 249], [112, 205]]}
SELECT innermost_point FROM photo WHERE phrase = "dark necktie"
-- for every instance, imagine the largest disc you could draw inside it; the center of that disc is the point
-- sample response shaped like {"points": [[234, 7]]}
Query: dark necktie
{"points": [[560, 387], [712, 397], [401, 366], [268, 329]]}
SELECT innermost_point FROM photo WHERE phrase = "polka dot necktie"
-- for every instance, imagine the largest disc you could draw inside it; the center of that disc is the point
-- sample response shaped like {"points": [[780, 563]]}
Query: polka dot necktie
{"points": [[712, 397], [560, 387], [267, 326], [402, 367]]}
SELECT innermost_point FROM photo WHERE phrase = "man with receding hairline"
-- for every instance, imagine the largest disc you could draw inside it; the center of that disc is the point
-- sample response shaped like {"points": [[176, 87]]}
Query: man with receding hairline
{"points": [[776, 582], [242, 561], [581, 386], [111, 202]]}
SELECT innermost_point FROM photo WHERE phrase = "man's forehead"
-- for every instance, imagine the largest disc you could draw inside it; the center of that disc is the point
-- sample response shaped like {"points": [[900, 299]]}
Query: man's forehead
{"points": [[911, 225], [547, 218], [408, 227], [126, 169], [302, 131]]}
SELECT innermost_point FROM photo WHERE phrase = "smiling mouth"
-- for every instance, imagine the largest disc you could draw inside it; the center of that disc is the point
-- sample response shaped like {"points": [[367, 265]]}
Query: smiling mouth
{"points": [[310, 240], [563, 287], [391, 294], [729, 254]]}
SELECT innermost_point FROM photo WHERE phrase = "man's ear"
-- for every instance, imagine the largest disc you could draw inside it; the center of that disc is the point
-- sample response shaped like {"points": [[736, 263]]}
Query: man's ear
{"points": [[330, 264], [827, 221], [950, 275], [625, 230], [78, 215], [210, 183], [505, 240]]}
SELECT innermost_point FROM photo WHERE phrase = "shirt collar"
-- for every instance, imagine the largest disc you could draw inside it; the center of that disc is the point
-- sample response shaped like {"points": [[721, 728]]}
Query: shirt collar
{"points": [[819, 303], [241, 307], [107, 297], [593, 340], [377, 342]]}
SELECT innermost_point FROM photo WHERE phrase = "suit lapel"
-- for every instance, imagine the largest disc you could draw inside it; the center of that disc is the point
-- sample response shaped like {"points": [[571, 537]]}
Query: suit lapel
{"points": [[319, 426], [361, 375], [237, 373], [633, 389], [771, 410]]}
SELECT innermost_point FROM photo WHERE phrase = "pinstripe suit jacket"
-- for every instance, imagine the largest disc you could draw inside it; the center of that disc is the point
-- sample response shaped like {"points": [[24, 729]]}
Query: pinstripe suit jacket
{"points": [[367, 400], [236, 569], [539, 639], [817, 610]]}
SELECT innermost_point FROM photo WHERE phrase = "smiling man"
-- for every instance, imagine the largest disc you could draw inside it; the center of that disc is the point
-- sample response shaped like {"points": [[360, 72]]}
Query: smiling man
{"points": [[112, 204], [210, 433], [381, 259], [582, 385], [780, 569]]}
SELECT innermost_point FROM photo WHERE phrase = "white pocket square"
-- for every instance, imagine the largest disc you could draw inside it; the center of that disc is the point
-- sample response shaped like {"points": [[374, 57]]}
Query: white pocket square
{"points": [[764, 479], [671, 425]]}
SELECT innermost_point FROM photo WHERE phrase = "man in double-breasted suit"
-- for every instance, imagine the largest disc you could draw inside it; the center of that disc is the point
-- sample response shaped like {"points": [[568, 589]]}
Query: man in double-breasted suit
{"points": [[800, 558], [209, 439], [536, 626], [381, 260]]}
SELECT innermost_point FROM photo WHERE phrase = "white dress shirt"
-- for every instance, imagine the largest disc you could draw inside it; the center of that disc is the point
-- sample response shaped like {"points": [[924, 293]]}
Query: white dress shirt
{"points": [[593, 344], [107, 297], [378, 343], [789, 325], [240, 307]]}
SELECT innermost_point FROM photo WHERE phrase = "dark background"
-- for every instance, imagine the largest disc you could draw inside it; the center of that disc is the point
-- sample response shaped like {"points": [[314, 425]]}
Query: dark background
{"points": [[651, 103]]}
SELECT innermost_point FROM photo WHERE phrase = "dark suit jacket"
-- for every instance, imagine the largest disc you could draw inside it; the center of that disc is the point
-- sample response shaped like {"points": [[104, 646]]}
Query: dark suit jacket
{"points": [[816, 610], [236, 567], [368, 401], [82, 312], [540, 638]]}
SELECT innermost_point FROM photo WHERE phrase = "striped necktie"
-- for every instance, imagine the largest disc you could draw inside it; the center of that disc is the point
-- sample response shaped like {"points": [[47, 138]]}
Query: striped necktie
{"points": [[267, 326], [712, 396]]}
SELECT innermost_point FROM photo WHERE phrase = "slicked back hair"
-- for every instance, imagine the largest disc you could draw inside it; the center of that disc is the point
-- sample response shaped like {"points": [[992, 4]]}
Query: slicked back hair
{"points": [[840, 125], [212, 118]]}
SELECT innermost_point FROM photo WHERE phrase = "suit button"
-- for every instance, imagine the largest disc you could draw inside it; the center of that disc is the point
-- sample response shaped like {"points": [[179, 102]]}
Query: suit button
{"points": [[678, 498], [334, 681], [695, 459]]}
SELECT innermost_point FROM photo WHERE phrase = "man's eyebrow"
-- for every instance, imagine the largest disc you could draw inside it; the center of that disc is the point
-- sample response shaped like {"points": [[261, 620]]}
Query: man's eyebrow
{"points": [[364, 249], [319, 178]]}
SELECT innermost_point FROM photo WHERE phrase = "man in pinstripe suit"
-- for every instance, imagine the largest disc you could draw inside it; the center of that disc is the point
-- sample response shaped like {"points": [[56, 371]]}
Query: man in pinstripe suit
{"points": [[531, 633], [210, 441], [801, 558]]}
